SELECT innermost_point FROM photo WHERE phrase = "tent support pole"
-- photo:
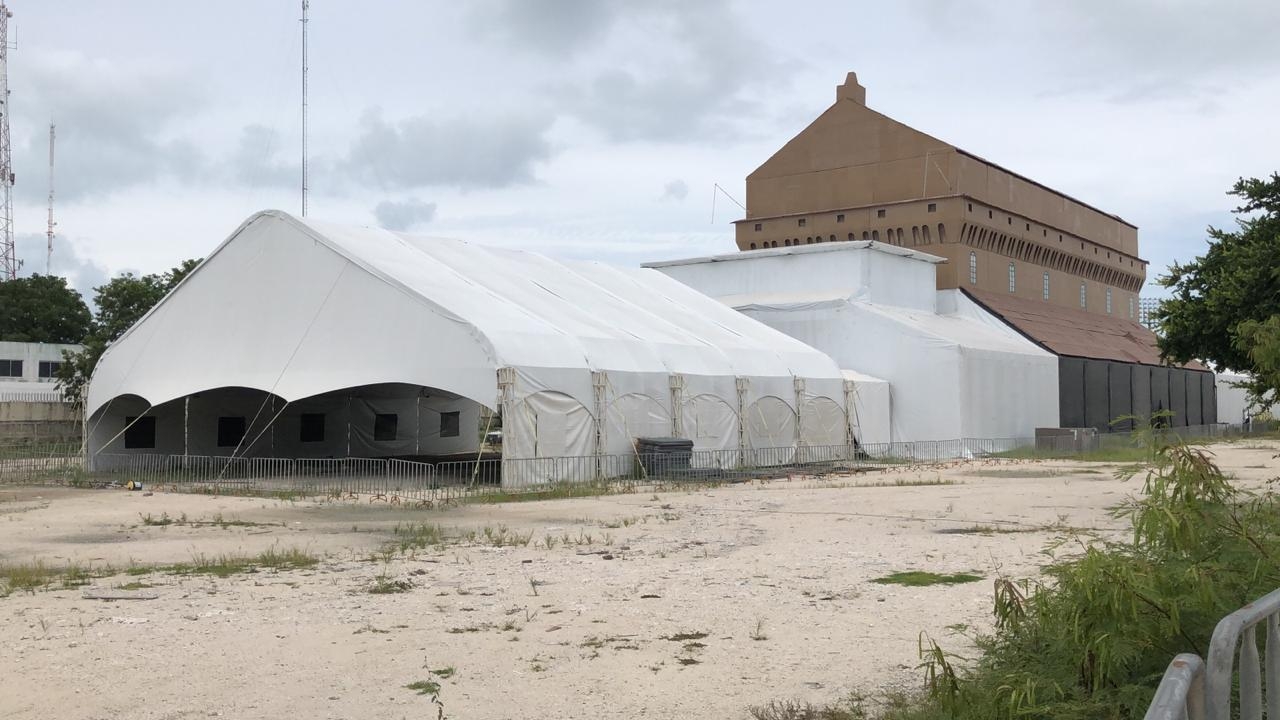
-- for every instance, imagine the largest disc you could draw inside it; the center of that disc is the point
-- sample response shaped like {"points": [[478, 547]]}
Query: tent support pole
{"points": [[186, 420], [742, 385]]}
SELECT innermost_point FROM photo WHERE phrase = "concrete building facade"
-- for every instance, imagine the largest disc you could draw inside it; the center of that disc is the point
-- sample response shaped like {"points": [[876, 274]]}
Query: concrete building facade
{"points": [[31, 406], [1063, 273], [856, 174]]}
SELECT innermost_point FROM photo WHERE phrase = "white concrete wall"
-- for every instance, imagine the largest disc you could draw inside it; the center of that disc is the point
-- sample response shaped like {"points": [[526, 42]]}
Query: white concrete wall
{"points": [[31, 354]]}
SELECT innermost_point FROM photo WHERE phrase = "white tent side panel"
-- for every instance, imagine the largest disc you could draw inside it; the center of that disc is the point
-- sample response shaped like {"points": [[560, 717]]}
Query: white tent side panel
{"points": [[922, 371], [872, 410]]}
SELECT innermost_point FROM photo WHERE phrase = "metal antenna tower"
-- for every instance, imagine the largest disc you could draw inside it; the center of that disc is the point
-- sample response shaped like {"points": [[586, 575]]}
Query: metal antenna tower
{"points": [[306, 4], [8, 252], [48, 261]]}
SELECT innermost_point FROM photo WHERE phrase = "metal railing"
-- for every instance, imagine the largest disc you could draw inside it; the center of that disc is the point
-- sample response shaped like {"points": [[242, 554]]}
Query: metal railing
{"points": [[1180, 695], [62, 463], [1195, 689], [320, 476], [32, 396]]}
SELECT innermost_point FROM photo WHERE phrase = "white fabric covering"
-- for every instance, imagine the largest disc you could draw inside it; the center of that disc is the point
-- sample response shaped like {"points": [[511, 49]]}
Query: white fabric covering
{"points": [[1233, 402], [954, 371], [301, 308], [871, 414]]}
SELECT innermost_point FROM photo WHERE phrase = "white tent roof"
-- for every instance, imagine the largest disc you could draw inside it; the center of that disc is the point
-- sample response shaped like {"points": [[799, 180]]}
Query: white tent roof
{"points": [[299, 307]]}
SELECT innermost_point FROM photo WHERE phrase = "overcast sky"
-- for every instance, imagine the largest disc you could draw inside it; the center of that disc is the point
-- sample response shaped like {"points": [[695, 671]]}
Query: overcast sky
{"points": [[596, 128]]}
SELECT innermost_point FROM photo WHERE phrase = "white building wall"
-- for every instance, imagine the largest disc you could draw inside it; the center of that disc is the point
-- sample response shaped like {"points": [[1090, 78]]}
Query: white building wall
{"points": [[30, 355]]}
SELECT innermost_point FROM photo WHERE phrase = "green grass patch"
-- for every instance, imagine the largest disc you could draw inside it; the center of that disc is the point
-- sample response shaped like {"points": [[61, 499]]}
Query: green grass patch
{"points": [[419, 536], [444, 673], [911, 482], [424, 687], [922, 578], [555, 491], [37, 575], [232, 564]]}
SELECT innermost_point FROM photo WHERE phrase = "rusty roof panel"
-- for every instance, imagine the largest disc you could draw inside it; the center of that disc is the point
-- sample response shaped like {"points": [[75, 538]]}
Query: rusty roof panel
{"points": [[1066, 331]]}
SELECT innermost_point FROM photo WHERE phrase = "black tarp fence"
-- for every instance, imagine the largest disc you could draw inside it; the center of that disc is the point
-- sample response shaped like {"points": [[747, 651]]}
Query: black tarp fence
{"points": [[1093, 393]]}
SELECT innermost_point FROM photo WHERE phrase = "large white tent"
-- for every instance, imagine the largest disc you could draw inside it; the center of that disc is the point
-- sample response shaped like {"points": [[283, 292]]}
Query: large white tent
{"points": [[293, 319], [954, 370]]}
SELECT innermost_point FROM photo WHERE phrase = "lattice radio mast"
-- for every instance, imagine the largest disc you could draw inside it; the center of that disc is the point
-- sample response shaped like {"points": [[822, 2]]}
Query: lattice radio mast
{"points": [[8, 252], [305, 5], [48, 260]]}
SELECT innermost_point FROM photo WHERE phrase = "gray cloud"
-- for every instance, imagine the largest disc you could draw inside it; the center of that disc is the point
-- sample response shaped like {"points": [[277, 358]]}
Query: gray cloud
{"points": [[675, 190], [548, 27], [485, 151], [688, 71], [404, 215], [116, 124], [257, 159], [81, 273], [1124, 51]]}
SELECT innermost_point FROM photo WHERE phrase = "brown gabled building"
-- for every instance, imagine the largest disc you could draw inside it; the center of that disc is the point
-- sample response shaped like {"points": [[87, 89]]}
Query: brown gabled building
{"points": [[1062, 272]]}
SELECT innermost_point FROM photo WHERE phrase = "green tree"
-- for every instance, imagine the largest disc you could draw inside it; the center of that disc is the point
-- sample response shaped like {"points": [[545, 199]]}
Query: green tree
{"points": [[1223, 300], [42, 309], [120, 303]]}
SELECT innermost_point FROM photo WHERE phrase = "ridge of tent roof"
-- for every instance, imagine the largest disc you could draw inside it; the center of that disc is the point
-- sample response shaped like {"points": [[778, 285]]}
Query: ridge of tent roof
{"points": [[838, 246]]}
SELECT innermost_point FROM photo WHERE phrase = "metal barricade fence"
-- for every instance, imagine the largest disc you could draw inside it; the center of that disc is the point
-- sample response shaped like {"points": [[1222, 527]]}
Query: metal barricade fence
{"points": [[1196, 689], [426, 481]]}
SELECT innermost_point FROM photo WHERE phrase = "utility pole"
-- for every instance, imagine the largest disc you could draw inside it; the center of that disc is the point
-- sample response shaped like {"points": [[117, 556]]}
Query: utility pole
{"points": [[8, 251], [48, 261], [306, 4]]}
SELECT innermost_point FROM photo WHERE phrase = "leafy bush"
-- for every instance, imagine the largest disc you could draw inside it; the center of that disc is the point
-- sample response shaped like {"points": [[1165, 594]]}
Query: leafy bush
{"points": [[1094, 640]]}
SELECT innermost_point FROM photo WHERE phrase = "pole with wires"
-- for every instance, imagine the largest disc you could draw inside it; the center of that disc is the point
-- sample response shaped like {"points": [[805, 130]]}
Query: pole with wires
{"points": [[306, 5], [48, 260]]}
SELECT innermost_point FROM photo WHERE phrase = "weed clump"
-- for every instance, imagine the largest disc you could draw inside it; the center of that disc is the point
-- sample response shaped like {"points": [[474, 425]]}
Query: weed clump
{"points": [[922, 578]]}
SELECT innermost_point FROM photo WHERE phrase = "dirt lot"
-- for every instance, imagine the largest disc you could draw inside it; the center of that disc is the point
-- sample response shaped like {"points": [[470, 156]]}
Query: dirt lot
{"points": [[676, 604]]}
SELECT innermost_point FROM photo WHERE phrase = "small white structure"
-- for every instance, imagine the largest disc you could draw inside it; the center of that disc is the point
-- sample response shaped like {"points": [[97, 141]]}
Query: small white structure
{"points": [[30, 367], [954, 370], [1233, 402], [297, 338]]}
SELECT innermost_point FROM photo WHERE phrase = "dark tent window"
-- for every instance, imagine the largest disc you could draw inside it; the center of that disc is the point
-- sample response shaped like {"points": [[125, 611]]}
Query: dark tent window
{"points": [[384, 427], [230, 431], [140, 433], [449, 424], [311, 427]]}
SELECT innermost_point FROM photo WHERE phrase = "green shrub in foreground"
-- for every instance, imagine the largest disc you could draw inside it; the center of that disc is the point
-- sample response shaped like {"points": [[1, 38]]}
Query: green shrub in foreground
{"points": [[1094, 639]]}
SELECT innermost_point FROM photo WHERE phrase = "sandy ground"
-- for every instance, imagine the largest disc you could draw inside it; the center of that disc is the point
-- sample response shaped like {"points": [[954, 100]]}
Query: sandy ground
{"points": [[772, 579]]}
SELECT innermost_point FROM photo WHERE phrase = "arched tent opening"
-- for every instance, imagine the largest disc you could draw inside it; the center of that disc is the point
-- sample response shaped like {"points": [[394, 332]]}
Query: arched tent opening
{"points": [[383, 420], [771, 431], [635, 416], [221, 421]]}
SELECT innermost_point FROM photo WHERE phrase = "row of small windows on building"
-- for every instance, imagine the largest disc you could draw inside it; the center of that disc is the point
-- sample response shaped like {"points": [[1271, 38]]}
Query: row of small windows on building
{"points": [[802, 222], [1044, 232], [920, 235], [45, 368], [1028, 251], [1044, 291], [140, 432]]}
